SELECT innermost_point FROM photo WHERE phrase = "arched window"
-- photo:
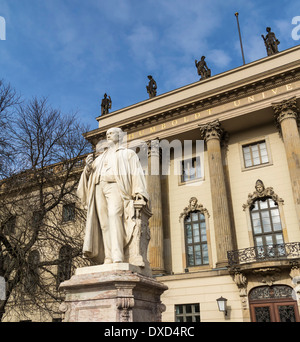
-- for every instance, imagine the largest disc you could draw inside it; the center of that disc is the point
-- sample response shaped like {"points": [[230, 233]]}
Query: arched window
{"points": [[265, 221], [266, 227], [196, 239], [65, 264]]}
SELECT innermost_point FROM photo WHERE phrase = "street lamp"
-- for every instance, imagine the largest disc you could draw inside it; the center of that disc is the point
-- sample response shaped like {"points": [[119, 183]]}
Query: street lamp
{"points": [[222, 305]]}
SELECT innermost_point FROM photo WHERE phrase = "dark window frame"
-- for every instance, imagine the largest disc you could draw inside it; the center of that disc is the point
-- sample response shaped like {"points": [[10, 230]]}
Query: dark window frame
{"points": [[68, 212], [251, 152], [191, 169], [187, 312], [196, 235]]}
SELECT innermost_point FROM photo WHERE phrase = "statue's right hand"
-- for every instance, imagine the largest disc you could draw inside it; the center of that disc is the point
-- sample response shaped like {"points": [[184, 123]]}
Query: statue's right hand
{"points": [[89, 161]]}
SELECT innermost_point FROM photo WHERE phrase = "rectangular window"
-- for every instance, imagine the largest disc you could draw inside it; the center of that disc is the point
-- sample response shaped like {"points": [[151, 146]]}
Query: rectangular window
{"points": [[255, 154], [68, 213], [190, 169], [187, 313]]}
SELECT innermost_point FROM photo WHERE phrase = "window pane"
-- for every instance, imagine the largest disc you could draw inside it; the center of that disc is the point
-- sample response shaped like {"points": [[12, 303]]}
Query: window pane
{"points": [[259, 241], [262, 145], [246, 150], [189, 236], [263, 204], [205, 254], [188, 308], [256, 161], [269, 240], [255, 154], [198, 260], [279, 238], [190, 256], [264, 159], [191, 169], [203, 235], [198, 168], [247, 156], [248, 163], [178, 309], [194, 216], [196, 232]]}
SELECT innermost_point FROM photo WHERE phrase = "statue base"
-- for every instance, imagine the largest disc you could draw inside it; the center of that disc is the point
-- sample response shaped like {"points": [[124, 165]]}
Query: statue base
{"points": [[112, 293]]}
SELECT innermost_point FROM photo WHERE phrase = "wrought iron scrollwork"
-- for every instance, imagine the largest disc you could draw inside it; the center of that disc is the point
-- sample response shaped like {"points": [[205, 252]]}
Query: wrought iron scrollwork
{"points": [[264, 253]]}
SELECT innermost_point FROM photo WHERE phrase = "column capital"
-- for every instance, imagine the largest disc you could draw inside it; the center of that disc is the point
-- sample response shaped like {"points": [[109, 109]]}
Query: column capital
{"points": [[211, 130], [286, 109], [154, 147]]}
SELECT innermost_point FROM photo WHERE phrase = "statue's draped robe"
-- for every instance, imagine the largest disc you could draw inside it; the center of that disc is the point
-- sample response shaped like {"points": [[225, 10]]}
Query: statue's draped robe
{"points": [[131, 181]]}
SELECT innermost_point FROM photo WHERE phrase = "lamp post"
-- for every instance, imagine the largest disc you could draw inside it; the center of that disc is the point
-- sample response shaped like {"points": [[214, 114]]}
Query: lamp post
{"points": [[222, 305]]}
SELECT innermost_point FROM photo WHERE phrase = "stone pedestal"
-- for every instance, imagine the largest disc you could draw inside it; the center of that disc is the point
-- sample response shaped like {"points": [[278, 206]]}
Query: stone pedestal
{"points": [[112, 293]]}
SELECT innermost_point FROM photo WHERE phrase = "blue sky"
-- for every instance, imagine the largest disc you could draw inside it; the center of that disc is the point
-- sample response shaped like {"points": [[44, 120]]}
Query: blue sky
{"points": [[73, 51]]}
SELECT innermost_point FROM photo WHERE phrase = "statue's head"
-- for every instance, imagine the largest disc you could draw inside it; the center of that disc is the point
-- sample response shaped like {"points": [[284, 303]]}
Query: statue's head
{"points": [[268, 29], [193, 201], [259, 186], [115, 135]]}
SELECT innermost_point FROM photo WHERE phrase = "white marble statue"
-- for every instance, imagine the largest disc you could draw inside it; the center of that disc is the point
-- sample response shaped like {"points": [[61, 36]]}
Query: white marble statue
{"points": [[108, 187]]}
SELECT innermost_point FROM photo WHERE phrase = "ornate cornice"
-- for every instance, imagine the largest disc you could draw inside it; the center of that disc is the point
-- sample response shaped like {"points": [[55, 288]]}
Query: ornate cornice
{"points": [[149, 119], [193, 206], [260, 193]]}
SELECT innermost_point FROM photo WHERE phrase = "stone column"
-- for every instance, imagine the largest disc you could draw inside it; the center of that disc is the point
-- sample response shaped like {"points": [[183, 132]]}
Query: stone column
{"points": [[212, 134], [156, 256], [287, 118]]}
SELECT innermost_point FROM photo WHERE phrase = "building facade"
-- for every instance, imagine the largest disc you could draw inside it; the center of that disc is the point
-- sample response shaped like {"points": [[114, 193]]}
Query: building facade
{"points": [[226, 199], [222, 162]]}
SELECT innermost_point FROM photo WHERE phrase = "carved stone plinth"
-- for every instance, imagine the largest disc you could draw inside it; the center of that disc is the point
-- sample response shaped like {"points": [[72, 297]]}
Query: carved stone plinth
{"points": [[136, 251], [112, 293]]}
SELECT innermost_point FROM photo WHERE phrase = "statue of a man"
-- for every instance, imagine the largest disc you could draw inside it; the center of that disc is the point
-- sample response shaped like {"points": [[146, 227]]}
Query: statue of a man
{"points": [[108, 187], [202, 68], [105, 104], [271, 42], [151, 87]]}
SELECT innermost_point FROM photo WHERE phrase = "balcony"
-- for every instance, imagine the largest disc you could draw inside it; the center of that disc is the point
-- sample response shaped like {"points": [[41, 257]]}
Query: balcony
{"points": [[283, 251]]}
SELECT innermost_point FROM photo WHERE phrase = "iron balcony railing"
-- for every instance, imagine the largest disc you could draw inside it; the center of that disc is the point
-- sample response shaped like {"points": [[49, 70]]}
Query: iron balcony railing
{"points": [[264, 253]]}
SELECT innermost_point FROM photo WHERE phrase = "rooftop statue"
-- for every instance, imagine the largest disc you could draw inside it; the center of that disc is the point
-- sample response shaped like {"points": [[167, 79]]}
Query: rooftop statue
{"points": [[105, 104], [202, 68], [271, 42], [151, 87]]}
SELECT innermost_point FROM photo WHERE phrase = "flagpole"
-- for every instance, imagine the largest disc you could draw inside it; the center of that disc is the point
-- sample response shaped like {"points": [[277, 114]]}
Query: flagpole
{"points": [[237, 19]]}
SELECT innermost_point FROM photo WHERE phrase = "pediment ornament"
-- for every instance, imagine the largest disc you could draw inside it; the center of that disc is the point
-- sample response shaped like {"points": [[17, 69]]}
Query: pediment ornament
{"points": [[261, 192], [192, 207]]}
